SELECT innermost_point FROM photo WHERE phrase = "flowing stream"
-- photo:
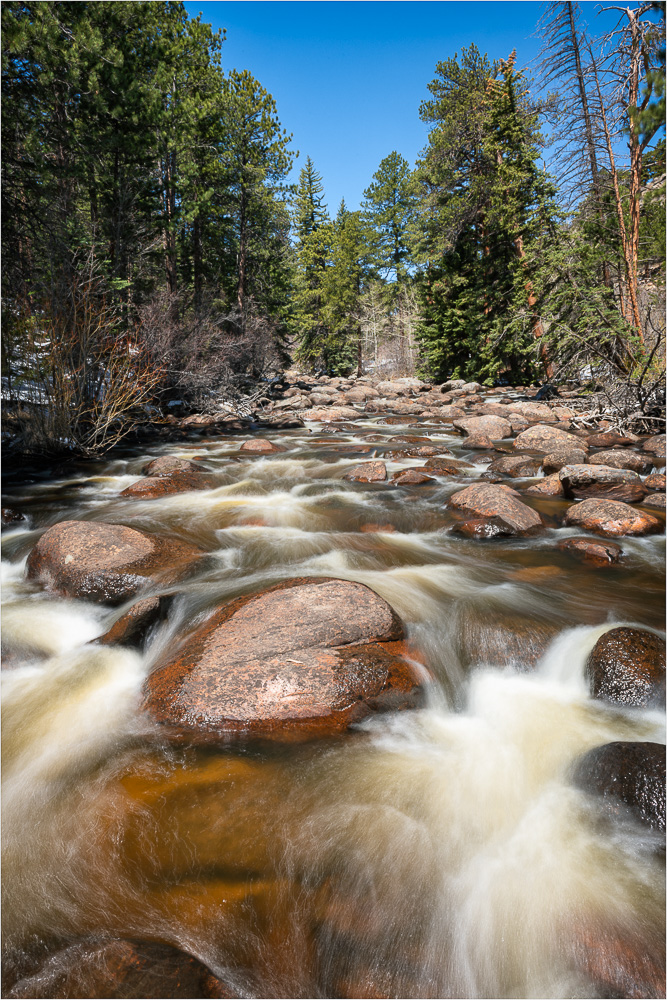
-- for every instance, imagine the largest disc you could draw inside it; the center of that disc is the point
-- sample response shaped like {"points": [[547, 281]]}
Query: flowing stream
{"points": [[434, 853]]}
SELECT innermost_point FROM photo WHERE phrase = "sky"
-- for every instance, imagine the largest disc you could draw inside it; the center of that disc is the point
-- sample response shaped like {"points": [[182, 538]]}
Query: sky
{"points": [[348, 77]]}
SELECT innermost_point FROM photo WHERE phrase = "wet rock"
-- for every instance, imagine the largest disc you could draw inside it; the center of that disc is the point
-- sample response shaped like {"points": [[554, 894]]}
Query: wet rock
{"points": [[611, 518], [483, 528], [410, 477], [627, 667], [620, 962], [655, 445], [499, 636], [131, 628], [114, 969], [605, 482], [261, 446], [610, 439], [167, 464], [626, 774], [167, 484], [623, 458], [108, 563], [479, 442], [655, 483], [306, 657], [546, 438], [10, 516], [494, 501], [367, 472], [550, 486], [592, 550], [490, 427], [555, 460], [332, 413], [516, 466], [655, 500], [447, 467]]}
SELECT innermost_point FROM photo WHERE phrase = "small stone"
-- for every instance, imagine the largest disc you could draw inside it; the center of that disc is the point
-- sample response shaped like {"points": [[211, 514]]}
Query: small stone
{"points": [[131, 628], [10, 516]]}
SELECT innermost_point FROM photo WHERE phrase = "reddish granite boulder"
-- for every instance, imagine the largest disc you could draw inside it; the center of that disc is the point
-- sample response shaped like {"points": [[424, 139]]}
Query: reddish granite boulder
{"points": [[450, 412], [306, 657], [550, 486], [103, 562], [166, 464], [490, 427], [655, 483], [261, 446], [516, 466], [367, 472], [623, 458], [448, 467], [533, 411], [655, 445], [410, 477], [494, 501], [627, 776], [610, 439], [627, 667], [555, 460], [581, 481], [546, 438], [592, 550], [167, 484], [114, 969], [483, 528], [655, 500], [611, 518]]}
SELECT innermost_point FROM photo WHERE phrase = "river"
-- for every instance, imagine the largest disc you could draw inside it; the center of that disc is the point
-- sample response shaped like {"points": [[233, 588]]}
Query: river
{"points": [[441, 852]]}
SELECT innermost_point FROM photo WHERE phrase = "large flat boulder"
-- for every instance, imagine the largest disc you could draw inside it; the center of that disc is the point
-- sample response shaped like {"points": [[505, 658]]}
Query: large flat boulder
{"points": [[611, 518], [489, 500], [306, 657], [487, 426], [108, 563], [546, 438], [605, 482]]}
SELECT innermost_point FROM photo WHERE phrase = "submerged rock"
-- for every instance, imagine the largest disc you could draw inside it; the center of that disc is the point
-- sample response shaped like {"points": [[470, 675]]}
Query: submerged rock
{"points": [[131, 628], [112, 968], [306, 657], [410, 477], [592, 550], [166, 484], [108, 563], [627, 667], [627, 776], [166, 464]]}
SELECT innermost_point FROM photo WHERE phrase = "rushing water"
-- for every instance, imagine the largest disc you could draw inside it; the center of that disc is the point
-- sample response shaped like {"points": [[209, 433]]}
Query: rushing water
{"points": [[435, 853]]}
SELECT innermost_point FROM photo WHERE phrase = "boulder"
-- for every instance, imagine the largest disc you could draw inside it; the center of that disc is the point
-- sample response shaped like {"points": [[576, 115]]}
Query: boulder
{"points": [[447, 467], [332, 413], [479, 442], [550, 486], [535, 412], [108, 563], [493, 501], [321, 399], [410, 477], [166, 464], [620, 961], [449, 412], [516, 466], [592, 550], [627, 776], [623, 458], [555, 460], [655, 445], [111, 968], [483, 528], [546, 438], [655, 500], [655, 483], [305, 657], [261, 446], [581, 481], [491, 427], [367, 472], [627, 667], [609, 439], [131, 628], [611, 518], [154, 487]]}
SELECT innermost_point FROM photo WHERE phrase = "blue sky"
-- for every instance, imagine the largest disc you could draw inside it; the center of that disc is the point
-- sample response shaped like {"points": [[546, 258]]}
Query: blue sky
{"points": [[348, 77]]}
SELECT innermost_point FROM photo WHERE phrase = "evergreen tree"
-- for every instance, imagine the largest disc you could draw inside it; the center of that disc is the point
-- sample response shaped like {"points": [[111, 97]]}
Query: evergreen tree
{"points": [[389, 207]]}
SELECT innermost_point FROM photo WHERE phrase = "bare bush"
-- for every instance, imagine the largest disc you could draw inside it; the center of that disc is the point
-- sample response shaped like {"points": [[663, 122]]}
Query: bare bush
{"points": [[74, 379]]}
